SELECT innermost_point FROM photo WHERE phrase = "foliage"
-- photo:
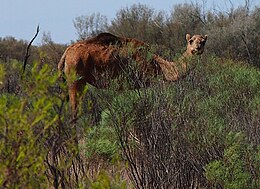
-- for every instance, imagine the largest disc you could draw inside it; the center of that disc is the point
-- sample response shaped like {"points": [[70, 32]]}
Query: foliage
{"points": [[88, 26], [2, 74], [233, 33], [182, 128], [227, 29], [199, 132], [233, 171], [101, 142], [49, 52], [10, 48], [37, 143], [25, 123], [205, 125], [104, 181], [141, 19]]}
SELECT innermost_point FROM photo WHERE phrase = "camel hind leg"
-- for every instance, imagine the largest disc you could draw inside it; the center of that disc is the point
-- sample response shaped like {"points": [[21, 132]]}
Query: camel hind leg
{"points": [[75, 93], [73, 101]]}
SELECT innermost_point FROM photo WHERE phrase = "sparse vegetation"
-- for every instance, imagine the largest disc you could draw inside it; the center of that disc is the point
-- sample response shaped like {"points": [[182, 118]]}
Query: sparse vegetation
{"points": [[199, 132]]}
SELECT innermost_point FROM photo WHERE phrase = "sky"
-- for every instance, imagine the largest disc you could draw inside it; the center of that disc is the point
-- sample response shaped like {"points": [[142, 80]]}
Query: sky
{"points": [[19, 18]]}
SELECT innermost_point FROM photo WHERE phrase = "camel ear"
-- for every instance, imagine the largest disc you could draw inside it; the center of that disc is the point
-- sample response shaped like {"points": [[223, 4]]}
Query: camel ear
{"points": [[205, 37], [187, 37]]}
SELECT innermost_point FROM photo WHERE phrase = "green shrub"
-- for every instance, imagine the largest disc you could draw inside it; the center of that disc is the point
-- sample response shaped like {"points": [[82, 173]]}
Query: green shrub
{"points": [[233, 170], [196, 119], [26, 121], [202, 129], [224, 123], [105, 181], [101, 142]]}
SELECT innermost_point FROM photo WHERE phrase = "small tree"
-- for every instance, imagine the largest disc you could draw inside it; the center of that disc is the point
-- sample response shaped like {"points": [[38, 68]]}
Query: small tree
{"points": [[88, 26], [141, 22]]}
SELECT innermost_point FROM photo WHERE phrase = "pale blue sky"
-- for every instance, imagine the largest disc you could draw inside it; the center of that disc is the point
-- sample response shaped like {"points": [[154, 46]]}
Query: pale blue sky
{"points": [[19, 18]]}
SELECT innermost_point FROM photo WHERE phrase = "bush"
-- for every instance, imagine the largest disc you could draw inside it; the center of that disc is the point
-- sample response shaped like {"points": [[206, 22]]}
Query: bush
{"points": [[171, 133], [233, 170], [101, 142], [25, 123], [199, 132], [37, 142]]}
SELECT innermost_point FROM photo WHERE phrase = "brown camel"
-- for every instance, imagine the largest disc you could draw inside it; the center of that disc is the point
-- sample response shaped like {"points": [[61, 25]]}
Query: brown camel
{"points": [[85, 61]]}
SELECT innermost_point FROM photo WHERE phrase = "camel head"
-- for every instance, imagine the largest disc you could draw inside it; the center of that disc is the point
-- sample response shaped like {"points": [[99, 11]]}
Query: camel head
{"points": [[195, 44]]}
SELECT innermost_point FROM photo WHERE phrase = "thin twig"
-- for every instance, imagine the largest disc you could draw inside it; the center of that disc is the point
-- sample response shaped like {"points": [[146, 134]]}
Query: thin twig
{"points": [[27, 55]]}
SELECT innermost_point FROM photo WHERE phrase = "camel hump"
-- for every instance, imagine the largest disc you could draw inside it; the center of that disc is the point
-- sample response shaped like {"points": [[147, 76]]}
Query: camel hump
{"points": [[106, 39]]}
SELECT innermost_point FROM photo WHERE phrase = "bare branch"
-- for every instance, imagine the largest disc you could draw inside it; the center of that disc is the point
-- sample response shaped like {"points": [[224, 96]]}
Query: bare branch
{"points": [[27, 55]]}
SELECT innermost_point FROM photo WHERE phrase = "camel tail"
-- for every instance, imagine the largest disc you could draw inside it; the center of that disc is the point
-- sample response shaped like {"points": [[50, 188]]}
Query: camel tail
{"points": [[61, 65]]}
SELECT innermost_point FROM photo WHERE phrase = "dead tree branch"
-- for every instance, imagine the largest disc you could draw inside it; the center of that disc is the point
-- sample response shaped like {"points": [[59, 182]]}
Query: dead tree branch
{"points": [[27, 55]]}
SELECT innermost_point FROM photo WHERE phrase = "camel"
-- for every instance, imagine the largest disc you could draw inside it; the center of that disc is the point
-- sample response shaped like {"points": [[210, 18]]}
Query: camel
{"points": [[85, 61]]}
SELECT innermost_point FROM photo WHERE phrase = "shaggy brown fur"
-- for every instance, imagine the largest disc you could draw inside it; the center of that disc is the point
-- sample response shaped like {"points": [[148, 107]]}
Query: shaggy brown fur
{"points": [[84, 61]]}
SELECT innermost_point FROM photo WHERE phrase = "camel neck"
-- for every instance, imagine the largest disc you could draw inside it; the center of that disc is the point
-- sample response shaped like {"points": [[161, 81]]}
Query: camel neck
{"points": [[173, 70], [187, 54]]}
